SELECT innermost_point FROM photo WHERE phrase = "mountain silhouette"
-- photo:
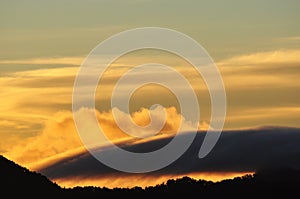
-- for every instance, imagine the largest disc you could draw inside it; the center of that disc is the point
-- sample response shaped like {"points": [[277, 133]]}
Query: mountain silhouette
{"points": [[17, 181]]}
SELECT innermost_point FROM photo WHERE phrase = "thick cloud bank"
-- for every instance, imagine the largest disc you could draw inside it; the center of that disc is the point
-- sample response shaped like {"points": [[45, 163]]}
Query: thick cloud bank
{"points": [[246, 150]]}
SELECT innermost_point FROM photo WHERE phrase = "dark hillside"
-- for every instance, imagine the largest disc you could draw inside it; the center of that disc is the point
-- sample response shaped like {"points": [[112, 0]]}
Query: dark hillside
{"points": [[17, 181]]}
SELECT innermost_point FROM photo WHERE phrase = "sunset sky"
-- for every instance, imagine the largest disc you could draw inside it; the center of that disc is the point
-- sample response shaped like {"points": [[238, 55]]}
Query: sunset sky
{"points": [[255, 44]]}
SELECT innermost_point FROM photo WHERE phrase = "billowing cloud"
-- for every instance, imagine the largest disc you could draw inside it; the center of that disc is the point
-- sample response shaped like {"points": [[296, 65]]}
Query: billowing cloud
{"points": [[239, 151], [263, 80], [262, 88], [60, 138]]}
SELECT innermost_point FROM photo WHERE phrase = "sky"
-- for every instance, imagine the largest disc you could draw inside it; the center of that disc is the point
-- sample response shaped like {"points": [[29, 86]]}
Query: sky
{"points": [[255, 45]]}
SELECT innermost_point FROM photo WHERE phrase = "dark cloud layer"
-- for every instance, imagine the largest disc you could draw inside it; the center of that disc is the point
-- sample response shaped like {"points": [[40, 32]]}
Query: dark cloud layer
{"points": [[236, 151]]}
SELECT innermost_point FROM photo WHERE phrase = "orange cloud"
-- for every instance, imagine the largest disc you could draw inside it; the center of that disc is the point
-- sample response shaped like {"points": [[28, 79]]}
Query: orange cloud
{"points": [[30, 100], [142, 180], [59, 138], [46, 60]]}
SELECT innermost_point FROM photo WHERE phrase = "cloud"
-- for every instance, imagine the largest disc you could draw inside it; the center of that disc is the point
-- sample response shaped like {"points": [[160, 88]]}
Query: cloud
{"points": [[269, 58], [46, 60], [293, 39], [262, 88], [262, 70], [141, 180], [6, 123], [281, 116], [37, 95], [59, 138], [238, 151]]}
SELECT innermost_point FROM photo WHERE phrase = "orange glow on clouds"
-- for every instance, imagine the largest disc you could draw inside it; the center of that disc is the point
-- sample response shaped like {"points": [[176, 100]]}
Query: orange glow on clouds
{"points": [[59, 138], [37, 127], [141, 180]]}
